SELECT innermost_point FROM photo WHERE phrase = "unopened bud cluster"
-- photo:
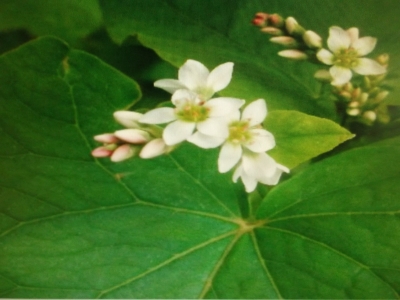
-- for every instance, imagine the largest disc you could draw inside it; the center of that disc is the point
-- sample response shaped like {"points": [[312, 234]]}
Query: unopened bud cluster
{"points": [[136, 139], [301, 43], [364, 101]]}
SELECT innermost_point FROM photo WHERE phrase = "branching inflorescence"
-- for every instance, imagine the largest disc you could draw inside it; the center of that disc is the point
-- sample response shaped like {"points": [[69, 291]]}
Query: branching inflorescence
{"points": [[204, 121], [359, 97]]}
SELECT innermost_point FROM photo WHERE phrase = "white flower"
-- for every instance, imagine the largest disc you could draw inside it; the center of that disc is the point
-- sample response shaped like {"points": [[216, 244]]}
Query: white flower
{"points": [[258, 167], [194, 76], [245, 134], [191, 113], [347, 49]]}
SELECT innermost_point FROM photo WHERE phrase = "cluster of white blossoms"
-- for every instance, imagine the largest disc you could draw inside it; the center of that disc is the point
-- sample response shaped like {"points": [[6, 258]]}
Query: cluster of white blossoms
{"points": [[204, 121]]}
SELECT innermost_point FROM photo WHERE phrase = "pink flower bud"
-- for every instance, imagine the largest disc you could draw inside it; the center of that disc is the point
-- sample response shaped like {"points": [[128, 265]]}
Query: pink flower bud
{"points": [[101, 152], [123, 152], [107, 138], [275, 20], [283, 40], [293, 54], [153, 148], [260, 19], [134, 136], [128, 119]]}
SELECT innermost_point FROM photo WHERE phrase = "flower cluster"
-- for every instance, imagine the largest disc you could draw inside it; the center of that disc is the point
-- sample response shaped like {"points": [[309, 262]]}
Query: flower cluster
{"points": [[362, 102], [207, 122]]}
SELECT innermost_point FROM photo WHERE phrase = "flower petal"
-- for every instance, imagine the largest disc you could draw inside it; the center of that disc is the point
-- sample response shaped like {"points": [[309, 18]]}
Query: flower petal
{"points": [[237, 173], [177, 132], [340, 75], [274, 178], [367, 66], [205, 141], [134, 136], [223, 106], [353, 33], [153, 148], [262, 140], [249, 182], [259, 166], [255, 112], [214, 127], [158, 116], [338, 39], [169, 85], [182, 97], [220, 77], [228, 157], [325, 56], [193, 74], [364, 45], [127, 118]]}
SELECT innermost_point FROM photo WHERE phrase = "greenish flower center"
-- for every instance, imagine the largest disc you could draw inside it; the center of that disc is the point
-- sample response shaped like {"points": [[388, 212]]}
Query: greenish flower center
{"points": [[239, 132], [192, 113], [347, 58]]}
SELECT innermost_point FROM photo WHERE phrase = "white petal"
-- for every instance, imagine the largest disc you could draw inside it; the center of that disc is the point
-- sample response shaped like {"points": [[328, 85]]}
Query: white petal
{"points": [[205, 141], [181, 97], [169, 85], [274, 178], [134, 136], [261, 141], [223, 106], [368, 66], [177, 132], [364, 45], [220, 77], [258, 166], [249, 182], [122, 152], [255, 112], [193, 74], [228, 157], [340, 75], [214, 127], [237, 173], [153, 148], [325, 56], [127, 118], [338, 39], [158, 116], [353, 33]]}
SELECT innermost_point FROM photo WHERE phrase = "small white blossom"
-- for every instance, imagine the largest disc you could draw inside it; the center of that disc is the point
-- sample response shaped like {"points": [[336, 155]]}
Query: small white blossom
{"points": [[245, 134], [191, 113], [195, 77], [347, 51], [293, 54], [258, 167]]}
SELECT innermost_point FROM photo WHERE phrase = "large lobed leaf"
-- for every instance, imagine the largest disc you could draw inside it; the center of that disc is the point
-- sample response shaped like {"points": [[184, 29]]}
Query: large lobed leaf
{"points": [[171, 227]]}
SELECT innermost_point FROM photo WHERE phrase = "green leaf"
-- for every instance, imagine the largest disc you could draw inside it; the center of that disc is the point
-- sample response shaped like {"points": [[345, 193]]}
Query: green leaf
{"points": [[337, 223], [214, 32], [67, 19], [300, 137], [72, 226]]}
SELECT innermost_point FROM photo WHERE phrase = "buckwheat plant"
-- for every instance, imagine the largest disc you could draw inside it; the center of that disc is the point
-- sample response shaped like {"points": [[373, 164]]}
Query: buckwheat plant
{"points": [[358, 98]]}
